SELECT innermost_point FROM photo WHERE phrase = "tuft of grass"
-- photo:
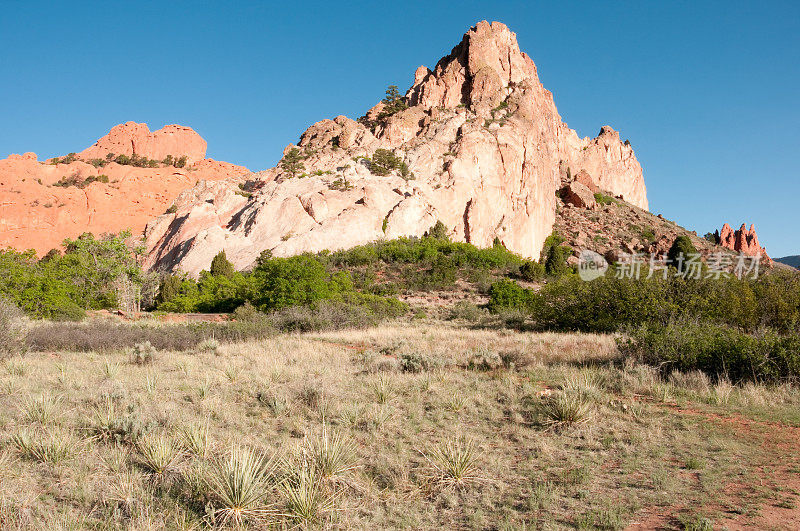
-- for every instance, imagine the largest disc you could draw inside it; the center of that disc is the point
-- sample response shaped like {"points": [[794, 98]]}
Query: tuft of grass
{"points": [[159, 454], [565, 409], [107, 424], [310, 395], [582, 382], [277, 404], [694, 463], [720, 394], [542, 495], [42, 409], [110, 369], [14, 368], [698, 523], [240, 484], [455, 461]]}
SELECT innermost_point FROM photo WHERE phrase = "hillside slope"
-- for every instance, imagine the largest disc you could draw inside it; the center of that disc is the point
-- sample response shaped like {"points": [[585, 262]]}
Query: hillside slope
{"points": [[792, 261]]}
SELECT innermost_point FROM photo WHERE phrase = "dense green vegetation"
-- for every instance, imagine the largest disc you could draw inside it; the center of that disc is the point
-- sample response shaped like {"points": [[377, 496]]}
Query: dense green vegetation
{"points": [[91, 274], [743, 328], [610, 303], [718, 350], [405, 264]]}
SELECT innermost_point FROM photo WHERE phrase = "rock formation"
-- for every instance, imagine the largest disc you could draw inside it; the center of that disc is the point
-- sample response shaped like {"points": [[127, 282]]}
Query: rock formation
{"points": [[44, 203], [743, 241], [480, 147], [130, 138]]}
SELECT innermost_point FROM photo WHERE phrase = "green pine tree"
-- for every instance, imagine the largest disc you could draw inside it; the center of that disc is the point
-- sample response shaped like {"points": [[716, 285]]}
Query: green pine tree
{"points": [[292, 162], [221, 266]]}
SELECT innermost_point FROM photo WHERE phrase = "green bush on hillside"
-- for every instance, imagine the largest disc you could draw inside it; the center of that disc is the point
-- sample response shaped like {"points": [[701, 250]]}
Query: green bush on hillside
{"points": [[720, 351], [609, 303]]}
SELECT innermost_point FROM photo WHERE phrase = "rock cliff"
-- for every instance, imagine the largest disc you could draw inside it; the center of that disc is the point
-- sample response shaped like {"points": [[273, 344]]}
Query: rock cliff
{"points": [[42, 203], [480, 146]]}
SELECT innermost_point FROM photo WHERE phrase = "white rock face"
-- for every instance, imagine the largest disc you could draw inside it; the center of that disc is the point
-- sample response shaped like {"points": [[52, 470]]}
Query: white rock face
{"points": [[486, 146]]}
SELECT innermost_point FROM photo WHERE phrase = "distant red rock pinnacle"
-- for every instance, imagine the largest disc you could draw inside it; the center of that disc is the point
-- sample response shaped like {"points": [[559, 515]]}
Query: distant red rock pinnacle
{"points": [[743, 240]]}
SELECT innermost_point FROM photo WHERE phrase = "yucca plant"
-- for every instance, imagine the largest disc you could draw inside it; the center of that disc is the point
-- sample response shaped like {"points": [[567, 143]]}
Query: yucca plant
{"points": [[565, 409], [307, 499], [240, 484], [159, 454], [582, 382], [104, 424], [110, 369], [41, 409], [455, 461], [150, 383], [382, 389], [330, 454], [46, 448], [195, 439]]}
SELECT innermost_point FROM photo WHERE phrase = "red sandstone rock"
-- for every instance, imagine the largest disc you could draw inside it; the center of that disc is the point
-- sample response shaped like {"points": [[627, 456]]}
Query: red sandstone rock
{"points": [[585, 179], [579, 195], [37, 214], [130, 138], [743, 240]]}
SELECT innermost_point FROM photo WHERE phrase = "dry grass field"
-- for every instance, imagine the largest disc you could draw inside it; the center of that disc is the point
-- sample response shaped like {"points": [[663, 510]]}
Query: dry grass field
{"points": [[411, 425]]}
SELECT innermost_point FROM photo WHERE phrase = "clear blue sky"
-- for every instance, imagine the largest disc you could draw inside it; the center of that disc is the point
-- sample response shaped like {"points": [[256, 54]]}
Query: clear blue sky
{"points": [[707, 92]]}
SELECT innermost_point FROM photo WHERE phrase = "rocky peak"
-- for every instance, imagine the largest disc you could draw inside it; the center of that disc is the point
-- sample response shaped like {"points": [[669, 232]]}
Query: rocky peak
{"points": [[480, 147], [743, 240], [132, 137], [479, 73]]}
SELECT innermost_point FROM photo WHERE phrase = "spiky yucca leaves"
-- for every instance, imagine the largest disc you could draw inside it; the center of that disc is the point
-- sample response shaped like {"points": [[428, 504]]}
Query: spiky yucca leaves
{"points": [[308, 499], [567, 408], [42, 409], [241, 483], [455, 461], [195, 439], [582, 382], [330, 454], [159, 454], [51, 448]]}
